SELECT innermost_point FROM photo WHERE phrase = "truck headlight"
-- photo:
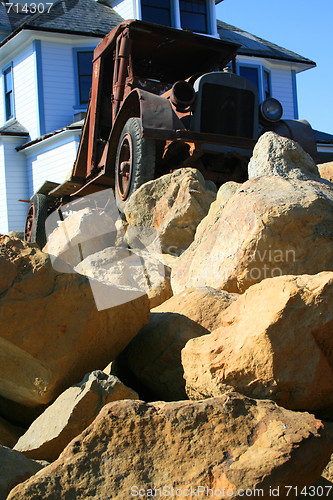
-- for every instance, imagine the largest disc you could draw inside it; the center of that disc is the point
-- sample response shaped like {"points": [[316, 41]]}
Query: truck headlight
{"points": [[271, 110]]}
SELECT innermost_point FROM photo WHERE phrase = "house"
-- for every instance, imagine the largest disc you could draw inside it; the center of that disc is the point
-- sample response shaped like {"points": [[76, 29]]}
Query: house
{"points": [[46, 66]]}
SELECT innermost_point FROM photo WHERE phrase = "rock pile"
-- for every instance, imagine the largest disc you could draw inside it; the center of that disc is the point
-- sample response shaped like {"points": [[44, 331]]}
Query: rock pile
{"points": [[209, 393], [271, 226]]}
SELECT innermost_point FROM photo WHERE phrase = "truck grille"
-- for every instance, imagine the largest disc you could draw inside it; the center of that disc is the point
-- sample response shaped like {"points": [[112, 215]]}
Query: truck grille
{"points": [[227, 110]]}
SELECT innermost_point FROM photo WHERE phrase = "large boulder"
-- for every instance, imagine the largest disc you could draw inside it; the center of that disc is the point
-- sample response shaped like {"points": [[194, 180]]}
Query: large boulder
{"points": [[275, 155], [275, 341], [52, 329], [70, 414], [187, 448], [14, 469], [172, 205], [152, 360], [326, 170], [271, 226], [82, 228], [135, 271]]}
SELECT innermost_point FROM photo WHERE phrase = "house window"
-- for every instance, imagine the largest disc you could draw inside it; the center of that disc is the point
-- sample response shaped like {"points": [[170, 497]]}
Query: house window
{"points": [[193, 15], [156, 11], [9, 93], [267, 84], [251, 73], [84, 67]]}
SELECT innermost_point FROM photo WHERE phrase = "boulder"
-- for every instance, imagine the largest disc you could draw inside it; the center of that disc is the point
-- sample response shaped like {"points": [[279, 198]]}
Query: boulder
{"points": [[82, 228], [275, 342], [229, 443], [274, 155], [326, 171], [9, 433], [129, 270], [54, 332], [172, 205], [151, 363], [15, 468], [270, 227], [70, 414]]}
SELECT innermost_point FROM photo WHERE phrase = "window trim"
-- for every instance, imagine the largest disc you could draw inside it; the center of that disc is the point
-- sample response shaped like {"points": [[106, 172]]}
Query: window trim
{"points": [[268, 71], [295, 98], [261, 68], [4, 71], [176, 20], [78, 105]]}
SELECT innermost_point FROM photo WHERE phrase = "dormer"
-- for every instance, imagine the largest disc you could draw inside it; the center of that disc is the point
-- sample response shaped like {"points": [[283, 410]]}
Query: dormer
{"points": [[195, 15]]}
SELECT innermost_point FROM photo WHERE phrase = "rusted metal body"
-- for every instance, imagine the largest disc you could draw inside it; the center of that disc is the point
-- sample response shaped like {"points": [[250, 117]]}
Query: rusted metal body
{"points": [[193, 111]]}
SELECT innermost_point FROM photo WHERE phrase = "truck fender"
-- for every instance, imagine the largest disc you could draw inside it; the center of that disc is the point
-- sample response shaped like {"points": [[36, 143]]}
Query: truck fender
{"points": [[158, 119]]}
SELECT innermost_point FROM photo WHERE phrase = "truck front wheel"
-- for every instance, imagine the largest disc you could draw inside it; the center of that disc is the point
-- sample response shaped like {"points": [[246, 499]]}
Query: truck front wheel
{"points": [[135, 161], [35, 221]]}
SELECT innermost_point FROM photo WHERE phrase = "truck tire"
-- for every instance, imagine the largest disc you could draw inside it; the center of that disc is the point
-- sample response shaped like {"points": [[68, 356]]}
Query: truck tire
{"points": [[135, 161], [35, 222]]}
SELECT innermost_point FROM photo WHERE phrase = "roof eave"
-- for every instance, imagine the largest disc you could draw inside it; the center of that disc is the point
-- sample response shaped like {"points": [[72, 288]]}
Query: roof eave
{"points": [[308, 62], [49, 30], [49, 136], [13, 134]]}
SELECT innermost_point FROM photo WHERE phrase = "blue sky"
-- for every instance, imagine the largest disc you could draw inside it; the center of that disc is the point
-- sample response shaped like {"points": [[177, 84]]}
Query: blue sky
{"points": [[304, 27]]}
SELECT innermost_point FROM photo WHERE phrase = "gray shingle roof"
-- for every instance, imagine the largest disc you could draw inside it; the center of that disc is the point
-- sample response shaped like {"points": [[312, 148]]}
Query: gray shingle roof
{"points": [[73, 16], [252, 45], [10, 19], [14, 128]]}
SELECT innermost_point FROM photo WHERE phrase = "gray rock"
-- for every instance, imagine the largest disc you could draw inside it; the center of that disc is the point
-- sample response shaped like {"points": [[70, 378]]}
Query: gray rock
{"points": [[70, 414], [279, 156], [172, 205]]}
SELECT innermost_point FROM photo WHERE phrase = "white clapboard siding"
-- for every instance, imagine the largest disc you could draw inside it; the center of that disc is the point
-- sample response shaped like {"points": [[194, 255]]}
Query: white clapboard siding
{"points": [[282, 89], [3, 193], [51, 161], [58, 85], [16, 184], [125, 8], [25, 90], [59, 81]]}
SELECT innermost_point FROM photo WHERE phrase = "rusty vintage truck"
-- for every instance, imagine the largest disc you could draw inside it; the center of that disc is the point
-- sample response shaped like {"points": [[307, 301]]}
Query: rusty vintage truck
{"points": [[163, 98]]}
